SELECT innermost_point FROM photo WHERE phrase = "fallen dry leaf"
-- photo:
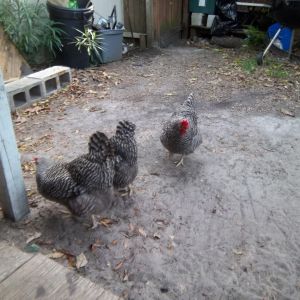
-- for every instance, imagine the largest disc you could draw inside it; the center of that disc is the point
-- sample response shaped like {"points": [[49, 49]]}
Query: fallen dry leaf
{"points": [[106, 222], [156, 236], [237, 252], [119, 265], [71, 261], [170, 94], [142, 232], [114, 242], [35, 236], [56, 255], [95, 108], [171, 245], [125, 276], [81, 261], [287, 112], [92, 92], [28, 167], [96, 245], [30, 193], [148, 75]]}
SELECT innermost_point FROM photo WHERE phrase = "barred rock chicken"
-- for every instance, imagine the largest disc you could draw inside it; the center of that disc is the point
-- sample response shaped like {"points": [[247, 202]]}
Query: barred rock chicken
{"points": [[75, 184], [180, 133], [125, 147]]}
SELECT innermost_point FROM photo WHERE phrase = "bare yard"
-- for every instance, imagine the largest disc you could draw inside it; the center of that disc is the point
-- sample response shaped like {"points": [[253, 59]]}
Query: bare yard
{"points": [[226, 225]]}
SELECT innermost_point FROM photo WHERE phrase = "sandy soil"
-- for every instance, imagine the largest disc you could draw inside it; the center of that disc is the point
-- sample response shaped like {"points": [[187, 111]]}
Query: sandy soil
{"points": [[224, 226]]}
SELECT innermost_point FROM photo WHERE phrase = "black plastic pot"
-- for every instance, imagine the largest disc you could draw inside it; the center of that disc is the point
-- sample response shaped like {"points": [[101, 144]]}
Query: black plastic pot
{"points": [[70, 20]]}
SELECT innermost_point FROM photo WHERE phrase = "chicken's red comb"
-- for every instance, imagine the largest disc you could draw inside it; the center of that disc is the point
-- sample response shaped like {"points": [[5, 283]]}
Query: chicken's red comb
{"points": [[184, 123]]}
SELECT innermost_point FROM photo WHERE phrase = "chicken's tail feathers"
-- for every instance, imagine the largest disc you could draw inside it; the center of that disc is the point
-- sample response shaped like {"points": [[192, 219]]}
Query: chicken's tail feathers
{"points": [[100, 144], [125, 127], [189, 102]]}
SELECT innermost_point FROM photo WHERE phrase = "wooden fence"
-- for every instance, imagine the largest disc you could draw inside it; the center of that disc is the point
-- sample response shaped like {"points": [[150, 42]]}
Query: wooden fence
{"points": [[162, 20]]}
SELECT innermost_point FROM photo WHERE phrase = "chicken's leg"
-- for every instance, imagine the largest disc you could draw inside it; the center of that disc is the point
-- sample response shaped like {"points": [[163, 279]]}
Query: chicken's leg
{"points": [[180, 162]]}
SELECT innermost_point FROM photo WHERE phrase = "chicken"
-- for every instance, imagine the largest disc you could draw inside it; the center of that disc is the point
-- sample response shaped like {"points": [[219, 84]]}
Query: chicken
{"points": [[126, 167], [180, 134], [76, 184]]}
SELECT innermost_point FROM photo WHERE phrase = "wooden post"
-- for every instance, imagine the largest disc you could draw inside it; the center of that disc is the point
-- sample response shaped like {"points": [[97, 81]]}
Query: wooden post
{"points": [[149, 22], [185, 19], [13, 197]]}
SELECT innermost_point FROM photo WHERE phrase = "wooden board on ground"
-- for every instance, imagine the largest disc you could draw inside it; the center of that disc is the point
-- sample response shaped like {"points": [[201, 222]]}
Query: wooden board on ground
{"points": [[12, 63], [11, 260], [43, 278]]}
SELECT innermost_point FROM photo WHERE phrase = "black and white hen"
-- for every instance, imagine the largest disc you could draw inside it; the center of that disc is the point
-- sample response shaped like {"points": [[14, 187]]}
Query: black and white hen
{"points": [[75, 184], [180, 134], [125, 147]]}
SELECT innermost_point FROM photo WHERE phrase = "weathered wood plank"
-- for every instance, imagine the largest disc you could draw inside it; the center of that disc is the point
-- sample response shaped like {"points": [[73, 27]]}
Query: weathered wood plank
{"points": [[149, 22], [11, 259], [12, 189], [11, 61], [43, 278]]}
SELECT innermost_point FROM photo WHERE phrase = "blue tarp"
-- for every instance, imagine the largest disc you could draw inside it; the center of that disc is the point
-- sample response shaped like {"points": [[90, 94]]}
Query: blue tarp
{"points": [[284, 37]]}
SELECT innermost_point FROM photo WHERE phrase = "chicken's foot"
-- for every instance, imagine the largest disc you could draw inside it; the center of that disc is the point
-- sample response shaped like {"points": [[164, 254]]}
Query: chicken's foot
{"points": [[180, 162], [128, 191]]}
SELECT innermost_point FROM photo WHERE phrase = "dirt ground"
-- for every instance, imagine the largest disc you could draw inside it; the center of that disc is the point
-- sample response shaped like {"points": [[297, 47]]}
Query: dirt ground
{"points": [[224, 226]]}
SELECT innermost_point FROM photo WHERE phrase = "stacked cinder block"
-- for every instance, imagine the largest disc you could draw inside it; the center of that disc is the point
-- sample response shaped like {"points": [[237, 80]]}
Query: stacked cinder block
{"points": [[34, 87]]}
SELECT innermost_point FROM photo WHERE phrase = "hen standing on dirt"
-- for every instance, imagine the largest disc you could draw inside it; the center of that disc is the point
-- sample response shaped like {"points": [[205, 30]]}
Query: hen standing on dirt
{"points": [[75, 184], [125, 147], [180, 133]]}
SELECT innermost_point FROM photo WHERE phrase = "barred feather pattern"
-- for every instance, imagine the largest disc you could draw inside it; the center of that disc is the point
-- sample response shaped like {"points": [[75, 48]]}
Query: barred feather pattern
{"points": [[125, 147], [171, 138], [73, 184]]}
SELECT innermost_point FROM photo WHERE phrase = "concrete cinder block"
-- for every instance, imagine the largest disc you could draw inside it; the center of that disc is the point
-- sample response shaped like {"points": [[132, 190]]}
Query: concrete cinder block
{"points": [[23, 92], [53, 78]]}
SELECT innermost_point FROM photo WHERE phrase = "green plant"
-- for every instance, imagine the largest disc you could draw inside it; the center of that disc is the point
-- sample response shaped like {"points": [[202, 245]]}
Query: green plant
{"points": [[276, 70], [248, 65], [27, 24], [89, 40], [255, 37]]}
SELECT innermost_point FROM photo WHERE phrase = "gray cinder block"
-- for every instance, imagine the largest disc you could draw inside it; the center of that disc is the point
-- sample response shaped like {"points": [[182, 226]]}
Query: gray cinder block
{"points": [[53, 78], [23, 92]]}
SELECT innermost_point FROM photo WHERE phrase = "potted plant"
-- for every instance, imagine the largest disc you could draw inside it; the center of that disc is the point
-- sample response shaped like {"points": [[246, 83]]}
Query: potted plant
{"points": [[90, 42]]}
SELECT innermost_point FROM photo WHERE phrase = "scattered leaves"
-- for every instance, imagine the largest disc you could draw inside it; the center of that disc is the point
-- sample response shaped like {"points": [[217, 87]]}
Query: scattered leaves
{"points": [[37, 108]]}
